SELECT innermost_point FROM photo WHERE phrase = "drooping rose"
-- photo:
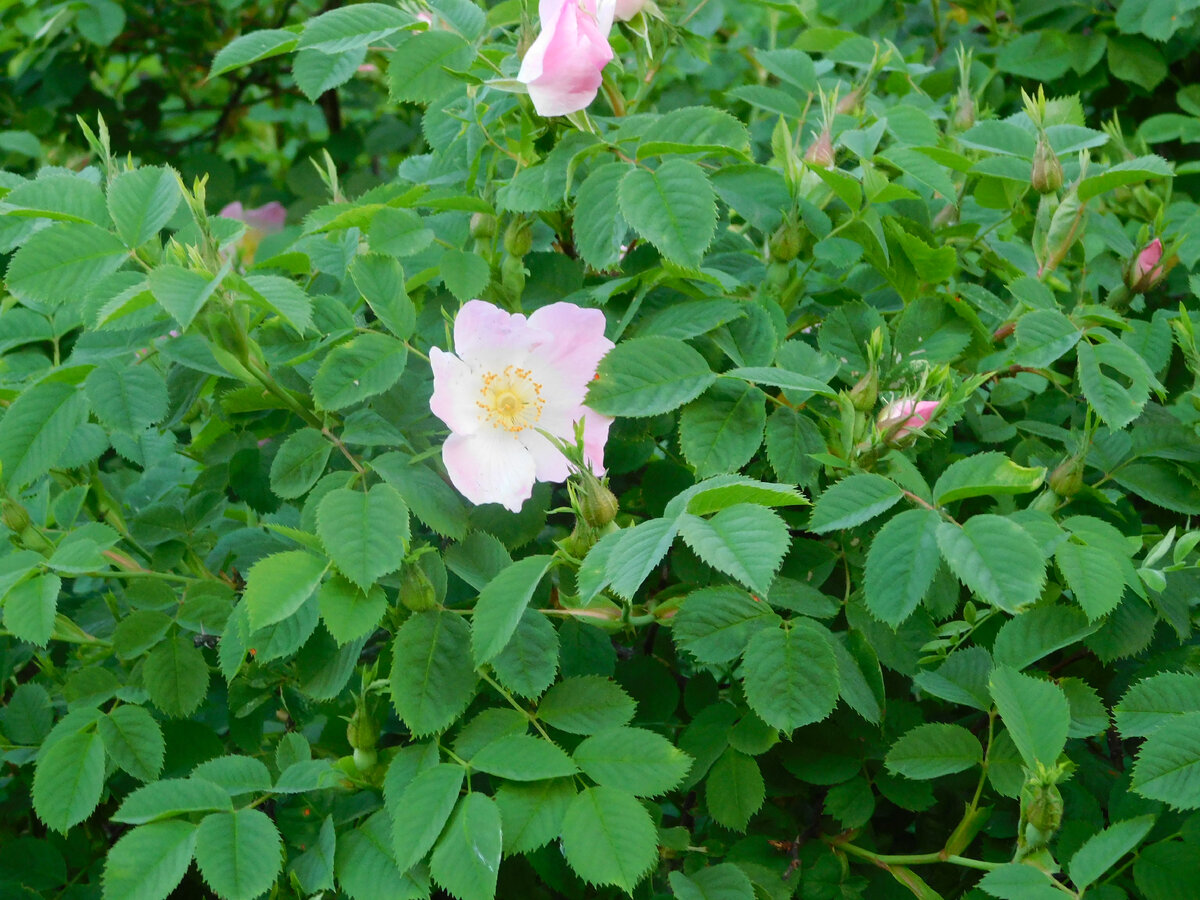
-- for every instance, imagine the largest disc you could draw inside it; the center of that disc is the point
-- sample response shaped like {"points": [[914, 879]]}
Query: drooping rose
{"points": [[900, 418], [508, 377], [269, 218], [562, 67], [627, 9]]}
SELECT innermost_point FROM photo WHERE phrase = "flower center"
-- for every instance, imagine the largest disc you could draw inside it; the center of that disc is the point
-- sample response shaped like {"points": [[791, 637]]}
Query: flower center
{"points": [[511, 399]]}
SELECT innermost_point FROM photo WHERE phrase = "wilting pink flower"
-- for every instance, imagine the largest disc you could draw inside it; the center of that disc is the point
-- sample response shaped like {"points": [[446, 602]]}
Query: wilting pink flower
{"points": [[627, 9], [509, 377], [900, 418], [260, 221], [562, 67], [1147, 269]]}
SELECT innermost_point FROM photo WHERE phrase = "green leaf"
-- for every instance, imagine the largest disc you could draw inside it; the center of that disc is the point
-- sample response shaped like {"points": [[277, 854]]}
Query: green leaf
{"points": [[1137, 60], [30, 608], [648, 376], [1129, 172], [1115, 402], [1102, 850], [501, 604], [380, 280], [235, 774], [734, 790], [745, 541], [238, 853], [1035, 712], [598, 226], [316, 72], [901, 564], [1094, 577], [283, 296], [142, 201], [429, 497], [181, 292], [633, 553], [1016, 881], [134, 741], [366, 534], [533, 813], [420, 812], [349, 613], [1168, 763], [529, 661], [250, 48], [995, 558], [852, 501], [68, 779], [718, 493], [522, 757], [432, 676], [608, 838], [695, 129], [781, 378], [300, 462], [417, 70], [790, 675], [366, 869], [61, 263], [36, 430], [860, 678], [585, 705], [985, 475], [1155, 701], [351, 27], [720, 431], [714, 624], [398, 232], [634, 759], [176, 676], [466, 275], [466, 860], [314, 867], [724, 881], [66, 198], [1037, 632], [361, 368], [791, 438], [172, 797], [934, 750], [148, 862], [1044, 335], [279, 584], [673, 207], [126, 398]]}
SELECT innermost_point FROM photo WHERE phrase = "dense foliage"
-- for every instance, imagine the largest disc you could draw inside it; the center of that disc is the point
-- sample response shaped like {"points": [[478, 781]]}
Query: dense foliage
{"points": [[889, 588]]}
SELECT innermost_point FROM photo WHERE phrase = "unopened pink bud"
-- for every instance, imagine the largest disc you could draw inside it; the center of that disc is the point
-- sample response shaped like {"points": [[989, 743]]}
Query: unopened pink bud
{"points": [[1148, 268], [627, 9], [900, 418]]}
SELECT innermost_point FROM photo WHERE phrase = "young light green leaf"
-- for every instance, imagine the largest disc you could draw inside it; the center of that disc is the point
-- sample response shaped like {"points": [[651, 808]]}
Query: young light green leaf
{"points": [[142, 201], [1168, 763], [279, 584], [250, 48], [148, 862], [417, 71], [1102, 850], [1155, 701], [985, 475], [300, 462], [714, 624], [38, 426]]}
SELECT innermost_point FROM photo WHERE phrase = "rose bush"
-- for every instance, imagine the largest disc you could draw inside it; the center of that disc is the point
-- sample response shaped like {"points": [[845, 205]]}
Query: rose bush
{"points": [[694, 449]]}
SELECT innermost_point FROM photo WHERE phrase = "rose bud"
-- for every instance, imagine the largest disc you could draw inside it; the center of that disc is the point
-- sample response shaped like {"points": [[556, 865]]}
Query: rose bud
{"points": [[1047, 170], [1148, 268], [901, 418]]}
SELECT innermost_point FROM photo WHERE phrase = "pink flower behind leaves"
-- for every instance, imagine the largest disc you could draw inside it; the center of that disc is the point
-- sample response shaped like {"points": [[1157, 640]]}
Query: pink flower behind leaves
{"points": [[509, 377], [900, 418], [562, 67], [269, 218], [627, 9]]}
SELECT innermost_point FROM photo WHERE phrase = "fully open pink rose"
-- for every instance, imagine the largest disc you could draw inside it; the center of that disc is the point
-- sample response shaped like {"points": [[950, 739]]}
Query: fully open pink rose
{"points": [[900, 418], [562, 67], [627, 9], [508, 377]]}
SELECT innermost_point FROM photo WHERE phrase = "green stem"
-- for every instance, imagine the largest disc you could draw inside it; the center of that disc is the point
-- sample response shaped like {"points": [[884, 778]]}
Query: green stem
{"points": [[515, 705], [912, 859]]}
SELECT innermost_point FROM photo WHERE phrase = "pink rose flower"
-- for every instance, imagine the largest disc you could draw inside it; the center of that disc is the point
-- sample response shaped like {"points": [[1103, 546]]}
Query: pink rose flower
{"points": [[562, 67], [627, 9], [260, 221], [509, 377], [900, 418]]}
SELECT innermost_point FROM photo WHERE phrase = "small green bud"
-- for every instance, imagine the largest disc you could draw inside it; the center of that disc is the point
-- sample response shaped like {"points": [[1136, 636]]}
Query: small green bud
{"points": [[518, 237], [1047, 170], [416, 590], [365, 760], [483, 225], [1042, 805], [1067, 477], [14, 516], [597, 504], [787, 240], [865, 392]]}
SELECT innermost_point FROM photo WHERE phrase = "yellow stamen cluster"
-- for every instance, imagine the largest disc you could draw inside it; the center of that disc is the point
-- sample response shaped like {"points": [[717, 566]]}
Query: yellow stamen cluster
{"points": [[511, 399]]}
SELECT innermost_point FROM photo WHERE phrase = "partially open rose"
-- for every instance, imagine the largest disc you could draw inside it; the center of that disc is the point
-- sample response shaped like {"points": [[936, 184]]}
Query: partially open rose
{"points": [[562, 67]]}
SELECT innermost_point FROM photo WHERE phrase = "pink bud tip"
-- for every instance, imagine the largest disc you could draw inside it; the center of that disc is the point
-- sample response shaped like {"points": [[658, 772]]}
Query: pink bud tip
{"points": [[900, 418]]}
